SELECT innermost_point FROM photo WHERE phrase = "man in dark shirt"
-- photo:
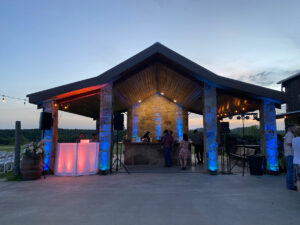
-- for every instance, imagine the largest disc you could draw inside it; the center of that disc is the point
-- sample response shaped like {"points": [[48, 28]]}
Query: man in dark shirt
{"points": [[167, 142]]}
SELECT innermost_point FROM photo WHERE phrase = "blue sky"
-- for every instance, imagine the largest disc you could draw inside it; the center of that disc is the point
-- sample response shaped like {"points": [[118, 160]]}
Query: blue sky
{"points": [[49, 43]]}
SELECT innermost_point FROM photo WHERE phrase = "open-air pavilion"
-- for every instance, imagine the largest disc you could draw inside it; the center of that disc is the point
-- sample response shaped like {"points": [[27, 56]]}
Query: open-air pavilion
{"points": [[157, 88]]}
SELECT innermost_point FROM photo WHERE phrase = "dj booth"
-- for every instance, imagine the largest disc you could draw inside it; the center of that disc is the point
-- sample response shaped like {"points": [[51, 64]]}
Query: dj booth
{"points": [[75, 159]]}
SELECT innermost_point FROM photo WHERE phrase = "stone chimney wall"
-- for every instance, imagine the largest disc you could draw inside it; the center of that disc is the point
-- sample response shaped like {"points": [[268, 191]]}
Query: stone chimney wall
{"points": [[155, 114]]}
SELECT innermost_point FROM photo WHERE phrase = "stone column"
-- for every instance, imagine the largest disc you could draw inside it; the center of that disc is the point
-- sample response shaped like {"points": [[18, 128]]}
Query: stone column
{"points": [[50, 136], [210, 128], [268, 135], [105, 129]]}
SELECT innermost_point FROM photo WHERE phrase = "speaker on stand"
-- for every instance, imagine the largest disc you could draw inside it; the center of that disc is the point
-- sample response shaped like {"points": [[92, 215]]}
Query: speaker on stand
{"points": [[118, 125]]}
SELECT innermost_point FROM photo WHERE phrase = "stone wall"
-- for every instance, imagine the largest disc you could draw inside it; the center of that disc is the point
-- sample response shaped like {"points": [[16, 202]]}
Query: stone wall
{"points": [[156, 114]]}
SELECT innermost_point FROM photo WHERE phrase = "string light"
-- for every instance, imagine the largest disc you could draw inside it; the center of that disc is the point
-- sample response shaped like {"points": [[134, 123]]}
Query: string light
{"points": [[4, 97]]}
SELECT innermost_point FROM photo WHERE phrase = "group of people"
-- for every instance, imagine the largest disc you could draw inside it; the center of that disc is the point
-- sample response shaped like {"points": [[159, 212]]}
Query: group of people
{"points": [[184, 148], [292, 157]]}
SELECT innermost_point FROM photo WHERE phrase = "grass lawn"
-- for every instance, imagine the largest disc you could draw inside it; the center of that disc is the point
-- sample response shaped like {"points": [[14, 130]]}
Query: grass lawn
{"points": [[7, 148], [10, 176]]}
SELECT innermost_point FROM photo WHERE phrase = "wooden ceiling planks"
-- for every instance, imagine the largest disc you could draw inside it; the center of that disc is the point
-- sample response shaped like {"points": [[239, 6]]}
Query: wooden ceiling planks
{"points": [[158, 78], [138, 86], [89, 106]]}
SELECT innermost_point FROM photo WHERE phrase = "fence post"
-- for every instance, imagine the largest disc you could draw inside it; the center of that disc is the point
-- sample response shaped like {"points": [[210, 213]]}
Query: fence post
{"points": [[17, 148]]}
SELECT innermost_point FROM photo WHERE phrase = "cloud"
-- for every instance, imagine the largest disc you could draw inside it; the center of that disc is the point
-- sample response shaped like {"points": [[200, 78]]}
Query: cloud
{"points": [[263, 78], [267, 78]]}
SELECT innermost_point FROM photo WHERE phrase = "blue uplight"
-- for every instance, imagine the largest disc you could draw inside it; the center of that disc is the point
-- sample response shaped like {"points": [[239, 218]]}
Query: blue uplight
{"points": [[270, 136], [47, 149], [179, 123], [210, 121], [135, 122], [158, 126], [104, 148]]}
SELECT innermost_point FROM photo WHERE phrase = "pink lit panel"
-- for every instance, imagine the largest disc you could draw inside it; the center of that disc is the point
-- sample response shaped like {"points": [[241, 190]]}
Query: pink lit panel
{"points": [[74, 159], [87, 158], [66, 159]]}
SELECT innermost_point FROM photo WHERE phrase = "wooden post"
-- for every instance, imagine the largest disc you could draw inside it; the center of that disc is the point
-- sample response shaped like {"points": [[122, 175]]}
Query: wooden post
{"points": [[54, 136], [17, 148]]}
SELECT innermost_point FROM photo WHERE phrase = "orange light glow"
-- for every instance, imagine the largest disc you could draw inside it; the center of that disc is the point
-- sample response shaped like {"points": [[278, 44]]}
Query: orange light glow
{"points": [[284, 117], [77, 92]]}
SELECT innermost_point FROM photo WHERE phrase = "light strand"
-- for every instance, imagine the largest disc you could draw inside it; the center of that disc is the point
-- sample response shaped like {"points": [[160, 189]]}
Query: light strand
{"points": [[4, 97]]}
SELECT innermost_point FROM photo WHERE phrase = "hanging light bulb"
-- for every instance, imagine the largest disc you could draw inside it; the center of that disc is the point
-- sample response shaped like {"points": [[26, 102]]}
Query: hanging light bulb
{"points": [[3, 99]]}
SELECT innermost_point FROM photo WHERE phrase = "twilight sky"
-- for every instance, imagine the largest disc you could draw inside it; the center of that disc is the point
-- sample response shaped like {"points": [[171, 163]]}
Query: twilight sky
{"points": [[44, 44]]}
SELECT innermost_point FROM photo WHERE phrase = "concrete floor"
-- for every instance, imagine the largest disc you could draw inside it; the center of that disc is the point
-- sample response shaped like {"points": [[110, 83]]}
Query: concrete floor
{"points": [[150, 198]]}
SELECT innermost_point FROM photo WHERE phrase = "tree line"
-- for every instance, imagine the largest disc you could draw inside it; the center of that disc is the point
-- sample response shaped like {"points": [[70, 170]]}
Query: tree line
{"points": [[7, 136]]}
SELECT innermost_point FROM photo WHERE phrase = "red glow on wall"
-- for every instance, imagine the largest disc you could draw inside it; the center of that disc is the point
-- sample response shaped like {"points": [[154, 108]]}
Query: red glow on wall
{"points": [[77, 92]]}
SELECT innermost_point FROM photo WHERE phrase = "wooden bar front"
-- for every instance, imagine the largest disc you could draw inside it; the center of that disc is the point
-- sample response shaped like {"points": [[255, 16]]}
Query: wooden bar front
{"points": [[140, 153]]}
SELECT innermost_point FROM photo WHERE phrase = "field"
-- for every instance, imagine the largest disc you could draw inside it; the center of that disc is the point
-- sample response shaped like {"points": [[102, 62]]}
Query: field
{"points": [[10, 148], [7, 148]]}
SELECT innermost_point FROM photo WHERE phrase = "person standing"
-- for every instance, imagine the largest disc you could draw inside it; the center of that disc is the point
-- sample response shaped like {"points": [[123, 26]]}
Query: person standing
{"points": [[184, 152], [296, 160], [289, 155], [197, 141], [167, 142], [81, 137]]}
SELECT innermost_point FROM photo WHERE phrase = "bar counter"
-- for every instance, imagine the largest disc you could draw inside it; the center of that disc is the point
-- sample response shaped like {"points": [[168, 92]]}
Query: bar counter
{"points": [[147, 153]]}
